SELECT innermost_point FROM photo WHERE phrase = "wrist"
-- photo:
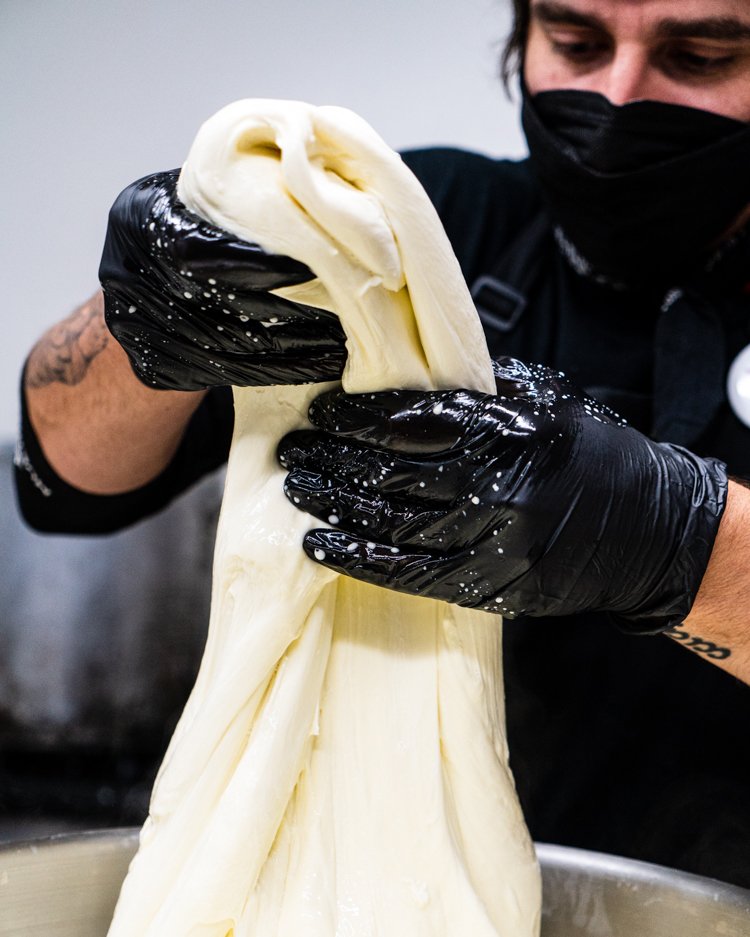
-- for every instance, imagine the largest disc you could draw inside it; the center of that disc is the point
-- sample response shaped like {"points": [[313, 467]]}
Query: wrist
{"points": [[721, 586]]}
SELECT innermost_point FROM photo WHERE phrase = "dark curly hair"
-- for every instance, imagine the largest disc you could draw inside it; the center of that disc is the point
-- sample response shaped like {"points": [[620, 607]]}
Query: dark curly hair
{"points": [[511, 60]]}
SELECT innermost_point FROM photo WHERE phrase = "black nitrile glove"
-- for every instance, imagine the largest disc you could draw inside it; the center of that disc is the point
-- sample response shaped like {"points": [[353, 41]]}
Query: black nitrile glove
{"points": [[190, 305], [537, 501]]}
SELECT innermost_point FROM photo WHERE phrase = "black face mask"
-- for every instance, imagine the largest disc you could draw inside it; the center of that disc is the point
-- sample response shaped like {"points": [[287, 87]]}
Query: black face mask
{"points": [[642, 192]]}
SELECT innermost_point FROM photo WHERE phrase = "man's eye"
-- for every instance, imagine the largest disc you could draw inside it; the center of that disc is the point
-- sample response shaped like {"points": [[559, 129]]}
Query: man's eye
{"points": [[692, 63], [580, 50]]}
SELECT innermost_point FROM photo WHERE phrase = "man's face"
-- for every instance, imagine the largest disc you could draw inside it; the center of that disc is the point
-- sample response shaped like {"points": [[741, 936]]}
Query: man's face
{"points": [[690, 52]]}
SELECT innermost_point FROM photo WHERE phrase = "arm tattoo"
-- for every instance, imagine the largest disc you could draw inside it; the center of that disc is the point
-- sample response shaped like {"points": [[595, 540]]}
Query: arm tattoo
{"points": [[699, 645], [64, 353]]}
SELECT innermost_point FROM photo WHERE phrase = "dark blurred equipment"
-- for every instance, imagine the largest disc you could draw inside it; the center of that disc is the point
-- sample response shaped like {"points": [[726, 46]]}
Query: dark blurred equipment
{"points": [[100, 640]]}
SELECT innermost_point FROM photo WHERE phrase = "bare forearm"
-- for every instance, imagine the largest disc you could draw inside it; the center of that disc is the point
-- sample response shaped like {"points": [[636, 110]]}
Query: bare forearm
{"points": [[718, 627], [100, 428]]}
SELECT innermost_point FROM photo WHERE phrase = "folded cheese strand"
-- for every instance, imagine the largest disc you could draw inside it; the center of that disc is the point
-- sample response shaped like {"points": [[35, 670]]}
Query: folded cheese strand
{"points": [[340, 769]]}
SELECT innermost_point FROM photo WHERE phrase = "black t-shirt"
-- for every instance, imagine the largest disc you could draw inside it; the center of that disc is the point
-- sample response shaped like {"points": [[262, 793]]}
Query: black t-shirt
{"points": [[624, 744]]}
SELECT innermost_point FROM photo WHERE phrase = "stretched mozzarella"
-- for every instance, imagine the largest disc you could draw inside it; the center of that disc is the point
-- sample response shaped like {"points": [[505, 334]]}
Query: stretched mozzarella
{"points": [[341, 768]]}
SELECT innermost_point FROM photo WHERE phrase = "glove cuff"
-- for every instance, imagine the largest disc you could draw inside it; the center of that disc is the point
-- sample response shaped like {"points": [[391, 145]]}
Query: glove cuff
{"points": [[672, 593]]}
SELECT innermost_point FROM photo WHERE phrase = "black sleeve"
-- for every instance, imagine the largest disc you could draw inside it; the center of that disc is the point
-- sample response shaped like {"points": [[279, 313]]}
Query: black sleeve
{"points": [[50, 505]]}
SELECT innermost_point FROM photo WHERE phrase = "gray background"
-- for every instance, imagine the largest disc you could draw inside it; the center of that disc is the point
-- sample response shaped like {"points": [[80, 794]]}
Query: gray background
{"points": [[99, 92]]}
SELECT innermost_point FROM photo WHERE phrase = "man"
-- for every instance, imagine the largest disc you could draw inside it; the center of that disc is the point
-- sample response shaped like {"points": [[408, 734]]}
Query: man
{"points": [[620, 256]]}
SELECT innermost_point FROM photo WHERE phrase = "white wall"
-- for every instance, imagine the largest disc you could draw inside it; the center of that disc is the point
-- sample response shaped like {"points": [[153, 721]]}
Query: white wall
{"points": [[96, 93]]}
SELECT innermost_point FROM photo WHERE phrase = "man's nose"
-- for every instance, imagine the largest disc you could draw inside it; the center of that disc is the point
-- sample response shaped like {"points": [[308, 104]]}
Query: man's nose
{"points": [[630, 76]]}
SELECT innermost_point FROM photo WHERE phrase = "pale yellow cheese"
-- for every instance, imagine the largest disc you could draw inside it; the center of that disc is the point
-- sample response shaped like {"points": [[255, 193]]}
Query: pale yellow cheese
{"points": [[341, 768]]}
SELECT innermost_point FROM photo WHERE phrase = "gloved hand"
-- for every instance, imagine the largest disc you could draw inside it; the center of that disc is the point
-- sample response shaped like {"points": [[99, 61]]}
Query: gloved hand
{"points": [[190, 305], [537, 501]]}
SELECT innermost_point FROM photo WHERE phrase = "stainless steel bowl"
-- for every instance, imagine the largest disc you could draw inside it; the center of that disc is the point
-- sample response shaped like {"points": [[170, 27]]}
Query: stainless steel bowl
{"points": [[67, 886]]}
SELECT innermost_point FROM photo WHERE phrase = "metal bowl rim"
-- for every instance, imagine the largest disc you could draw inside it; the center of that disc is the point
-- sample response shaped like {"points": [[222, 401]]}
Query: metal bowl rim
{"points": [[553, 858], [635, 871]]}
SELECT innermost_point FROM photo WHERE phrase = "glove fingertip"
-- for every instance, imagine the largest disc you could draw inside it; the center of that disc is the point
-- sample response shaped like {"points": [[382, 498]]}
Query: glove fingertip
{"points": [[322, 411], [334, 548]]}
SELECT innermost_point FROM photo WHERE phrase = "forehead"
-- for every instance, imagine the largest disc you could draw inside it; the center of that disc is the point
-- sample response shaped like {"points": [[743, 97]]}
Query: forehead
{"points": [[646, 15]]}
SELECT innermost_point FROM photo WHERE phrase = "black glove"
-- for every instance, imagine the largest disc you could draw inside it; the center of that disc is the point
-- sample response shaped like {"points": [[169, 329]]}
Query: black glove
{"points": [[537, 501], [190, 305]]}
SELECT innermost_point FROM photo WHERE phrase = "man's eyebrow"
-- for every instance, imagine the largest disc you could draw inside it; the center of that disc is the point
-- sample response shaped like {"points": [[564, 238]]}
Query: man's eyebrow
{"points": [[720, 28], [558, 14]]}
